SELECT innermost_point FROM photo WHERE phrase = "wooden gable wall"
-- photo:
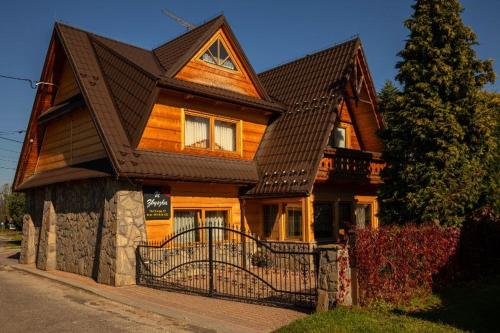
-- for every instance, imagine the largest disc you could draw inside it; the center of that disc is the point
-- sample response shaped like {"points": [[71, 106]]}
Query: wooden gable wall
{"points": [[67, 86], [361, 102], [346, 121], [199, 71], [69, 140]]}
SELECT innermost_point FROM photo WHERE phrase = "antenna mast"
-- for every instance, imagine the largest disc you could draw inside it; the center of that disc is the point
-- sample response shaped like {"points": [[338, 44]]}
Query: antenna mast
{"points": [[179, 20]]}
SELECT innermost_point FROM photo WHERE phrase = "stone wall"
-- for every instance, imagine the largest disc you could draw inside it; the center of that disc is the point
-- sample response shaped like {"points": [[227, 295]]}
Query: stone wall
{"points": [[334, 277], [89, 227]]}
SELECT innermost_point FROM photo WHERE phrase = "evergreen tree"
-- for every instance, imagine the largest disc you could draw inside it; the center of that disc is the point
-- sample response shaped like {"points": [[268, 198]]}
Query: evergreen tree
{"points": [[386, 97], [434, 145], [490, 119]]}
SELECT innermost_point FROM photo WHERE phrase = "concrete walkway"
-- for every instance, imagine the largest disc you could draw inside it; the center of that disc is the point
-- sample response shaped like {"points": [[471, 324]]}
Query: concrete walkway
{"points": [[210, 313]]}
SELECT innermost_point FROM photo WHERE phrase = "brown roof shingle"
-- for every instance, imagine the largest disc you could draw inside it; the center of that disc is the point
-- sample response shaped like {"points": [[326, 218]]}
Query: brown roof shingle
{"points": [[179, 49], [312, 76], [119, 82], [292, 147], [134, 92]]}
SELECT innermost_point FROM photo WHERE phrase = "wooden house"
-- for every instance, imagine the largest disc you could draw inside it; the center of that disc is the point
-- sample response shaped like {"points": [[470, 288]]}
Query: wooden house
{"points": [[290, 154]]}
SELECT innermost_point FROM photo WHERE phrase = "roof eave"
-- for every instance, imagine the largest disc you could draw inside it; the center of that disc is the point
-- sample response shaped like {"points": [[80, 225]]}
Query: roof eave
{"points": [[268, 106], [137, 175]]}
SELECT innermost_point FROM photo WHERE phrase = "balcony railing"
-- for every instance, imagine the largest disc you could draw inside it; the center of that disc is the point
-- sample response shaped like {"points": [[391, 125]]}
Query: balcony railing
{"points": [[349, 164]]}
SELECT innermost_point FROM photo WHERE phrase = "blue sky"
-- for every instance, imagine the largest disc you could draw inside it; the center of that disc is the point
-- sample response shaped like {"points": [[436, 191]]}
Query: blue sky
{"points": [[270, 32]]}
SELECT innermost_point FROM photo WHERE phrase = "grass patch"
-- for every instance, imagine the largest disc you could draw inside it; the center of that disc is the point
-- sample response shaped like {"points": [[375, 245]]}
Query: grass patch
{"points": [[465, 308], [470, 307], [11, 239], [344, 320]]}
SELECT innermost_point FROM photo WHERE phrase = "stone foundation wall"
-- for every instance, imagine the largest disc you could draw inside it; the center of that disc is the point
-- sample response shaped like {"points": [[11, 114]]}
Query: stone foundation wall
{"points": [[79, 210], [89, 227]]}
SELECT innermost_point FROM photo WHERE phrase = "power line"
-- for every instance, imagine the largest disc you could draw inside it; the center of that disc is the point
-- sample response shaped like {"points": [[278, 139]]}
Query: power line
{"points": [[31, 82], [6, 168], [7, 160], [12, 132], [12, 140]]}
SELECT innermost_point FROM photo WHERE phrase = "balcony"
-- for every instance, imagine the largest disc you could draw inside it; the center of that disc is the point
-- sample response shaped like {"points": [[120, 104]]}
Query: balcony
{"points": [[350, 165]]}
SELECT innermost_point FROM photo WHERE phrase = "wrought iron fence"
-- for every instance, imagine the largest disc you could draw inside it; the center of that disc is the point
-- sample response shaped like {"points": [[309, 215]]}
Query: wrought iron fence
{"points": [[226, 262]]}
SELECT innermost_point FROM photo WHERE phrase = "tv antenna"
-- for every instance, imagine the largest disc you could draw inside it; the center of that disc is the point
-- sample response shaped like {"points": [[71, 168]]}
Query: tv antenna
{"points": [[179, 20]]}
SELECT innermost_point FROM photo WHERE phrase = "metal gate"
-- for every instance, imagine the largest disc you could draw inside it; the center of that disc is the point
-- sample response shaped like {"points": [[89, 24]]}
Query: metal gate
{"points": [[223, 262]]}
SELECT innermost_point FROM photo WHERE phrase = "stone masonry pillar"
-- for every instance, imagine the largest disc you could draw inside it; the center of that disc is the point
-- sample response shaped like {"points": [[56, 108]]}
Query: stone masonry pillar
{"points": [[122, 230], [130, 231], [28, 250], [334, 277], [46, 258]]}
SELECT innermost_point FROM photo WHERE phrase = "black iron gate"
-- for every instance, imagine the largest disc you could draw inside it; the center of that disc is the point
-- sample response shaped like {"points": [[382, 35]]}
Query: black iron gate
{"points": [[224, 262]]}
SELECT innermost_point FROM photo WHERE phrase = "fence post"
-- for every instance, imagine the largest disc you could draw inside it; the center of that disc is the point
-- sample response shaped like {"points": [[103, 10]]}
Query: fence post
{"points": [[334, 277], [243, 239], [210, 261]]}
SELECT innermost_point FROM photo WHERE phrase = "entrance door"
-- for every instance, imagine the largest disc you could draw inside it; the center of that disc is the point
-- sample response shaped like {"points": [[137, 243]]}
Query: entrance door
{"points": [[323, 220]]}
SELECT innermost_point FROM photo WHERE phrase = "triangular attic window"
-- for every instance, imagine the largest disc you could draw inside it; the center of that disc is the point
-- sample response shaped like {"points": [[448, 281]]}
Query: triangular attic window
{"points": [[216, 54]]}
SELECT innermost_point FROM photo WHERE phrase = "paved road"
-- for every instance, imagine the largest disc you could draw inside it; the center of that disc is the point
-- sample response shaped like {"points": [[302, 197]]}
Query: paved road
{"points": [[32, 304]]}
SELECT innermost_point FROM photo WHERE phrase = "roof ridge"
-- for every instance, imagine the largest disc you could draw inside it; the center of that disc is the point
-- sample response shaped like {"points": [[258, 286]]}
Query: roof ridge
{"points": [[93, 34], [335, 45], [189, 31], [125, 59]]}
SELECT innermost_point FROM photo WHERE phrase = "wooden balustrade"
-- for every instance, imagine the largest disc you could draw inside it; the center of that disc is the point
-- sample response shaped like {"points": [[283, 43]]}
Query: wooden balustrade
{"points": [[350, 164]]}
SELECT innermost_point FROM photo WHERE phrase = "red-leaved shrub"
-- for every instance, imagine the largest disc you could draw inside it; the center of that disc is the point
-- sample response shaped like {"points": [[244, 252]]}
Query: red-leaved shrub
{"points": [[395, 263]]}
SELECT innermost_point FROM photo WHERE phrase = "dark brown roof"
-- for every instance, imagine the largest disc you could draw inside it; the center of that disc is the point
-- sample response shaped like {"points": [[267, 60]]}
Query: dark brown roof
{"points": [[292, 147], [133, 90], [174, 54], [182, 48], [143, 58], [180, 166], [61, 175], [119, 83], [312, 76]]}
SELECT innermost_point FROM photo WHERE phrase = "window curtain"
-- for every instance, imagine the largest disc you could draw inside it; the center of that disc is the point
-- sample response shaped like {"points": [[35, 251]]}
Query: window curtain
{"points": [[186, 219], [363, 215], [197, 132], [294, 222], [216, 219], [225, 136]]}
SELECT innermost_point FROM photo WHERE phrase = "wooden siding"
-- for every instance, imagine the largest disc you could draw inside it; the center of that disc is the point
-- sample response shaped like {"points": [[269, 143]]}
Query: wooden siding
{"points": [[69, 140], [164, 129], [197, 196], [67, 86], [199, 71]]}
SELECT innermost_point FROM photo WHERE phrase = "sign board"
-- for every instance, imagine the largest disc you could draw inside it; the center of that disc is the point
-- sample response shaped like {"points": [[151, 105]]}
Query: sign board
{"points": [[156, 202]]}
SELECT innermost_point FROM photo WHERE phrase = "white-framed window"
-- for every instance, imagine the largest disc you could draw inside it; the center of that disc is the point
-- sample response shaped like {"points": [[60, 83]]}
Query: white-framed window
{"points": [[217, 54]]}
